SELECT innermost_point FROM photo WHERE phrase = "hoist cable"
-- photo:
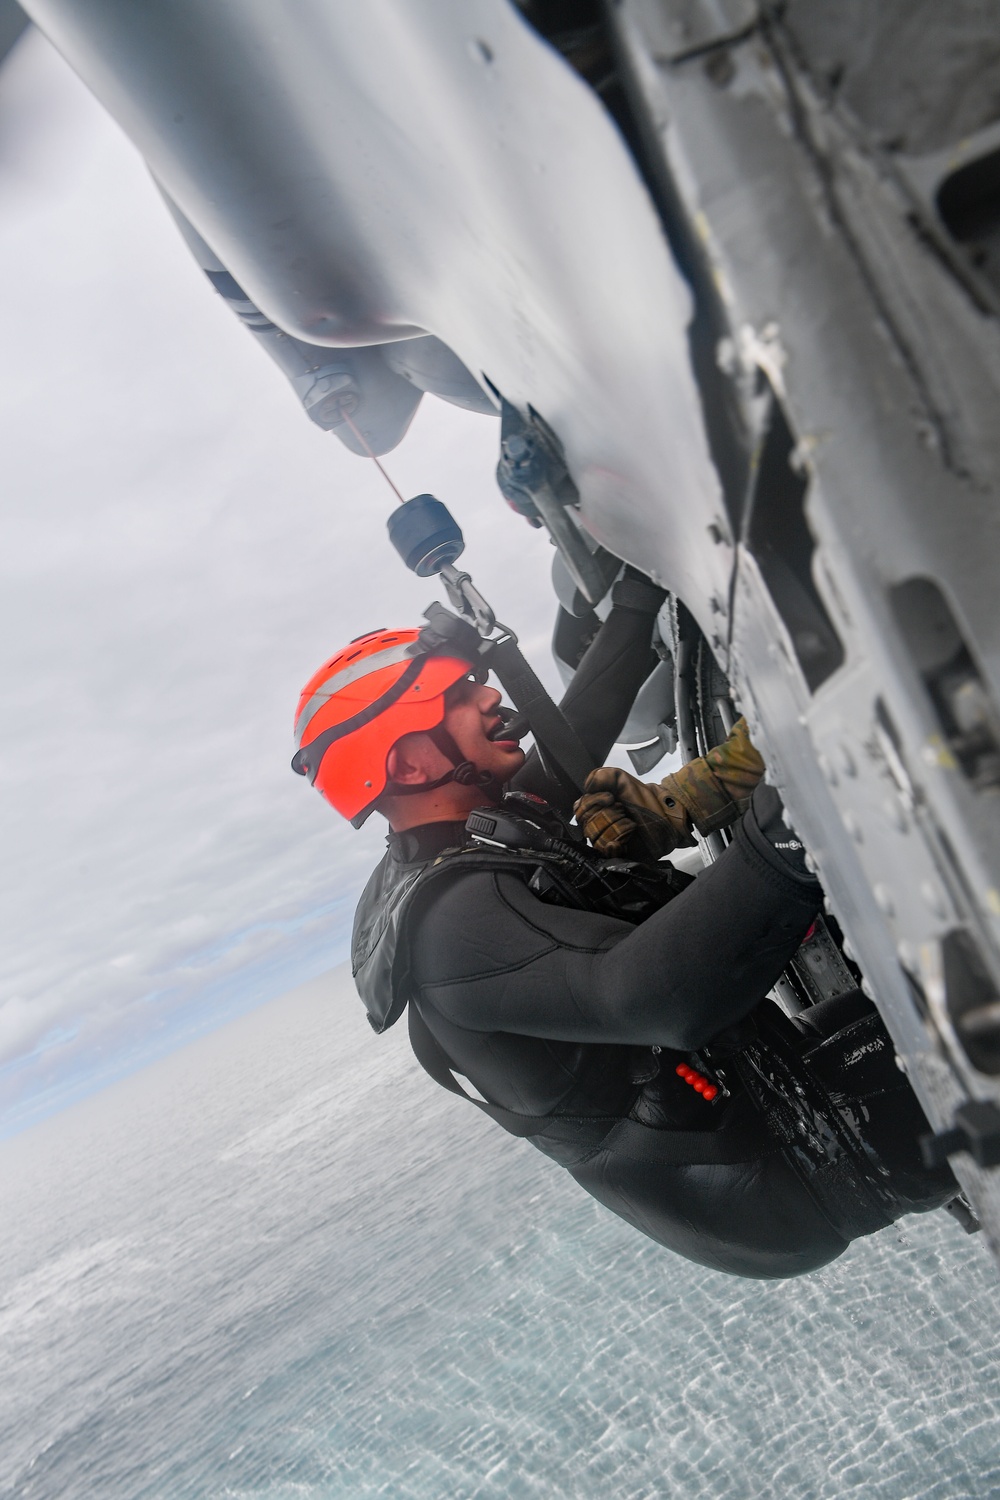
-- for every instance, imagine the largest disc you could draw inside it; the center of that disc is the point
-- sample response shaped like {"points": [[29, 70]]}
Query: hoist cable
{"points": [[367, 447]]}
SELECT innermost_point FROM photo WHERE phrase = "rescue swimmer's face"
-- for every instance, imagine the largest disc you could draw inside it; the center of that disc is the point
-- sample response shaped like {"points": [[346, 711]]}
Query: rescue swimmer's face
{"points": [[470, 718]]}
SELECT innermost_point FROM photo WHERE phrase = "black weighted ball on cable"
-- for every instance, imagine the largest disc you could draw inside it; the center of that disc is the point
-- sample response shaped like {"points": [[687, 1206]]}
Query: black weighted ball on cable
{"points": [[426, 535]]}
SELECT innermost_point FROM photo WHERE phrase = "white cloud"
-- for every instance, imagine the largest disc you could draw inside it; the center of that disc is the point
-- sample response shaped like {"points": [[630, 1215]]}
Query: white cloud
{"points": [[181, 549]]}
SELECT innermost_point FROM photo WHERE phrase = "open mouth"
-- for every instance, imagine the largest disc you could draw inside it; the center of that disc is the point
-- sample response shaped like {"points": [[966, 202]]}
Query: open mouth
{"points": [[509, 728]]}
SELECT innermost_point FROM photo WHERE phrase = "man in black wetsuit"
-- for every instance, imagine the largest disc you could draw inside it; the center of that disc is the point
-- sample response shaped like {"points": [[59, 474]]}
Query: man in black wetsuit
{"points": [[626, 1036]]}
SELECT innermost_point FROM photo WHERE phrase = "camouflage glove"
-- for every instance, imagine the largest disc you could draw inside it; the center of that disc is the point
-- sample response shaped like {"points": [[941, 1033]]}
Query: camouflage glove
{"points": [[716, 788], [620, 814]]}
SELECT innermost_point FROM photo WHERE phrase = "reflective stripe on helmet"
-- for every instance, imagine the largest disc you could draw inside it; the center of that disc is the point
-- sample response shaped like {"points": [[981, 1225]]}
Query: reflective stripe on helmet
{"points": [[307, 761], [361, 701], [390, 657]]}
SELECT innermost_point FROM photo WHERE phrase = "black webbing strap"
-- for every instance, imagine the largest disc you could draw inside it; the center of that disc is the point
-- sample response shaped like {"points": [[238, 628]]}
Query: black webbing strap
{"points": [[742, 1139], [634, 591], [548, 723], [434, 1060]]}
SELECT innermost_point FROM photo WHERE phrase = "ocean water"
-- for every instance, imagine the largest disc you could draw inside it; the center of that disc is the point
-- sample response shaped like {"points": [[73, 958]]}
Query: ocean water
{"points": [[282, 1264]]}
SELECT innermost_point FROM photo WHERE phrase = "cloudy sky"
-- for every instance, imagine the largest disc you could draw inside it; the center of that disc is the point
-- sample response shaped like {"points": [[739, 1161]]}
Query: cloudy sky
{"points": [[181, 549]]}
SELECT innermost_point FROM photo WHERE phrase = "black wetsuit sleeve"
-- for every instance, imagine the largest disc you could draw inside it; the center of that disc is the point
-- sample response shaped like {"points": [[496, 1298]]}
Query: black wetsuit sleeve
{"points": [[604, 686], [489, 956]]}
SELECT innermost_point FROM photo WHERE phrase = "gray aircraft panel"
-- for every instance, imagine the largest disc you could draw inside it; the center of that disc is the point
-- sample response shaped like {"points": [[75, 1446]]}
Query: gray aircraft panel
{"points": [[887, 365]]}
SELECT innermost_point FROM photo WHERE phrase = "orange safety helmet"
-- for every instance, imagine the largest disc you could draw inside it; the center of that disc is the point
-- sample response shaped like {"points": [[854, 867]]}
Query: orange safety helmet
{"points": [[359, 703]]}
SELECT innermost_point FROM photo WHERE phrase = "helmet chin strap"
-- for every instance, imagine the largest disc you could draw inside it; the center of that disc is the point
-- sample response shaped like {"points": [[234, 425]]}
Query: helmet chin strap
{"points": [[464, 772]]}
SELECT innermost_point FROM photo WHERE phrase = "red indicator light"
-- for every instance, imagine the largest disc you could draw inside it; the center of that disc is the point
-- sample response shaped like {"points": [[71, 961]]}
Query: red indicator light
{"points": [[698, 1081]]}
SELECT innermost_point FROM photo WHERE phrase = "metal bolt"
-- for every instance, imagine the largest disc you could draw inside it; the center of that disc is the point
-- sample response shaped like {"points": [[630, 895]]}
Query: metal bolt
{"points": [[329, 397], [907, 956], [719, 69], [826, 769], [884, 901], [523, 461], [934, 899], [516, 447], [895, 815]]}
